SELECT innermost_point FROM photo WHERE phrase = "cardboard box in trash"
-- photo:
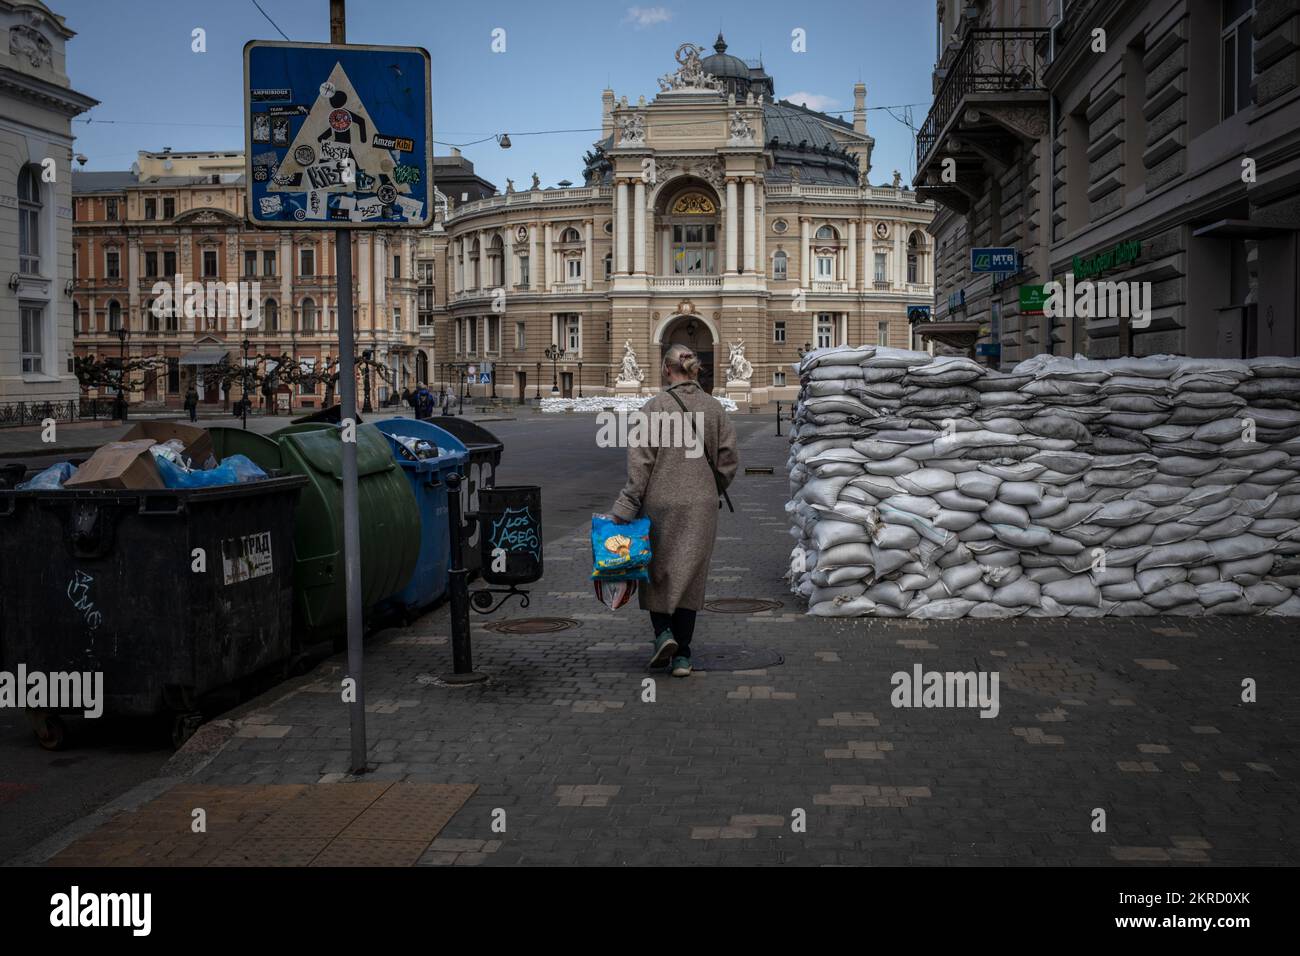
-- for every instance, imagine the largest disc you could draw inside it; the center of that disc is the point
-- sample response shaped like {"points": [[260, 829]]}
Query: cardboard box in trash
{"points": [[197, 441], [119, 464]]}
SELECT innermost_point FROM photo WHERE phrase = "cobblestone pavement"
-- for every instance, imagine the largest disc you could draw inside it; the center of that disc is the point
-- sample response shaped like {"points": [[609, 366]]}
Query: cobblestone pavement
{"points": [[806, 761]]}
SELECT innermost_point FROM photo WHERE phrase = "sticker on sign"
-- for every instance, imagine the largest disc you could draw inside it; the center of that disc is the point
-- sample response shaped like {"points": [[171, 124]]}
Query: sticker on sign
{"points": [[246, 557]]}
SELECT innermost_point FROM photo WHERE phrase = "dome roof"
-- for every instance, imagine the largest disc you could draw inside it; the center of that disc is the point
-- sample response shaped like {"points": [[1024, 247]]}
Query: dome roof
{"points": [[723, 65]]}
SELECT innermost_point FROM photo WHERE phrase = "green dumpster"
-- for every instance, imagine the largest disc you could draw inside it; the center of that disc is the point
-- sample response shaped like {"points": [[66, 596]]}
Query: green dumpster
{"points": [[390, 519]]}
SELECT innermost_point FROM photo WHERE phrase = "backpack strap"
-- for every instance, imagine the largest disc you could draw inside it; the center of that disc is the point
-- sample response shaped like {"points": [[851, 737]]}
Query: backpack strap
{"points": [[717, 479]]}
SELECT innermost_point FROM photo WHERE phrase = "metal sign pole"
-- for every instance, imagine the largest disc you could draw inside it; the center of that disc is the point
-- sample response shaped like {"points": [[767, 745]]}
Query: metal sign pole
{"points": [[348, 413]]}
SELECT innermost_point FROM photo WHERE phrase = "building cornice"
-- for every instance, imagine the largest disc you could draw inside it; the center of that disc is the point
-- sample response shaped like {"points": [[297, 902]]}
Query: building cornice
{"points": [[62, 99]]}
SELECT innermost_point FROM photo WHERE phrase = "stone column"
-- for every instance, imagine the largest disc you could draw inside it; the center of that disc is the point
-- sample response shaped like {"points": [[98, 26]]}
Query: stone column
{"points": [[638, 241], [620, 227], [550, 257], [805, 235], [455, 267], [534, 270], [484, 272], [732, 232], [464, 261], [751, 230], [852, 265], [508, 256], [587, 254], [133, 281]]}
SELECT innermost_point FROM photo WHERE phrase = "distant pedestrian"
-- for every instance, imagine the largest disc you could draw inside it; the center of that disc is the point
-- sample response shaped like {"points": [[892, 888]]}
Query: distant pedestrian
{"points": [[679, 493], [192, 403], [447, 398], [423, 402]]}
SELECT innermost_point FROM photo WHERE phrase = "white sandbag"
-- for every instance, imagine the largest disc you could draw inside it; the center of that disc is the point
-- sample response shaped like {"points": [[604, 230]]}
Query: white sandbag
{"points": [[1020, 493], [1172, 596], [1023, 591], [927, 481], [894, 537], [998, 512], [949, 609], [958, 578], [827, 534], [1074, 591]]}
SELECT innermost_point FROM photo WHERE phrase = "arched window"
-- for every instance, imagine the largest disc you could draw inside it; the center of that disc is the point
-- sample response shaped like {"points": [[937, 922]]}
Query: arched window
{"points": [[570, 235], [421, 368], [914, 247], [271, 316], [827, 232], [780, 261], [308, 315], [114, 315], [29, 222]]}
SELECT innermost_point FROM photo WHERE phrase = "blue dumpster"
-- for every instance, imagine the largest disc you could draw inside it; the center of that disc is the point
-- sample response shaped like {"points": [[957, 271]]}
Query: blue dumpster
{"points": [[428, 479]]}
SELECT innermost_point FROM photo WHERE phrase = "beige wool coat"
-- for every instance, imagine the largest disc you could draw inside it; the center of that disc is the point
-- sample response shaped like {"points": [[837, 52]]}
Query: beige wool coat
{"points": [[679, 496]]}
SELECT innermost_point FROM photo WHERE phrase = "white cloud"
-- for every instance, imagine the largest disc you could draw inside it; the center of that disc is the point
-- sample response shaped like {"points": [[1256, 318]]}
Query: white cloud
{"points": [[814, 101], [643, 17]]}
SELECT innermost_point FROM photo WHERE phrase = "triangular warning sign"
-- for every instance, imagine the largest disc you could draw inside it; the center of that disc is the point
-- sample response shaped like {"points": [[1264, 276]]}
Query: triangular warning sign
{"points": [[333, 151]]}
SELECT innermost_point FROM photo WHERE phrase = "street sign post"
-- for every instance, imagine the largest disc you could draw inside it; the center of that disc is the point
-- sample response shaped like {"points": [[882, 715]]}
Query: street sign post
{"points": [[339, 137]]}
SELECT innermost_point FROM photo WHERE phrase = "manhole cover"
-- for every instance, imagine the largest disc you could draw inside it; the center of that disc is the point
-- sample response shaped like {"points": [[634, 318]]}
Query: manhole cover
{"points": [[734, 657], [741, 605], [534, 625]]}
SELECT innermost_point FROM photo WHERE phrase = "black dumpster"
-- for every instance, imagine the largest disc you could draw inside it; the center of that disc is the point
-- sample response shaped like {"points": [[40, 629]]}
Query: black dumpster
{"points": [[484, 457], [510, 522], [169, 594]]}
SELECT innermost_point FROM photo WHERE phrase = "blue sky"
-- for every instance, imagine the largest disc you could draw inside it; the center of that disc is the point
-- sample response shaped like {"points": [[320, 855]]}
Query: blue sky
{"points": [[135, 57]]}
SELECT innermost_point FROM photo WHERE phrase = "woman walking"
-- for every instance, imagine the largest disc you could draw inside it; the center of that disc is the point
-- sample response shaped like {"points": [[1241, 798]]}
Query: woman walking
{"points": [[677, 488]]}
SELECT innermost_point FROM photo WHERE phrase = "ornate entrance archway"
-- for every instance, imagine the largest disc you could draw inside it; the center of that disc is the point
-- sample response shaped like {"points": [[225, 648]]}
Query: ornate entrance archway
{"points": [[698, 335]]}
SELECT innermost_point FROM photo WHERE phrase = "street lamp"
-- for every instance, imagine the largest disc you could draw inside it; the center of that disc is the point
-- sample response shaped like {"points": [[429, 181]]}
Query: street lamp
{"points": [[365, 379], [539, 381], [119, 411], [555, 353], [580, 379], [243, 398]]}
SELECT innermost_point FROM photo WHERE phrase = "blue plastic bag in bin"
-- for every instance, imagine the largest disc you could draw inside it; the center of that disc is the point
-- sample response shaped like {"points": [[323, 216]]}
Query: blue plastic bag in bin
{"points": [[620, 551]]}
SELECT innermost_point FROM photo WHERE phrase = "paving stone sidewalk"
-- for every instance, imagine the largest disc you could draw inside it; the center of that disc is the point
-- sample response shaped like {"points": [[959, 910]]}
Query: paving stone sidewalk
{"points": [[1140, 718]]}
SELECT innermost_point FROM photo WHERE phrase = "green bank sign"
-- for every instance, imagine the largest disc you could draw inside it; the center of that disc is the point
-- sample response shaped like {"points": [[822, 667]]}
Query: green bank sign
{"points": [[1125, 253], [1032, 299]]}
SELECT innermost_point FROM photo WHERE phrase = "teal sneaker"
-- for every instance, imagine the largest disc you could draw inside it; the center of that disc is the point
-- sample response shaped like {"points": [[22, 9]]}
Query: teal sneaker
{"points": [[681, 667], [665, 648]]}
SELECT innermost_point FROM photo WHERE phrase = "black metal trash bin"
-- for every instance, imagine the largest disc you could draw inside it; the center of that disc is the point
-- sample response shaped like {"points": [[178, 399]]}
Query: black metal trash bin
{"points": [[484, 457], [169, 593], [510, 519]]}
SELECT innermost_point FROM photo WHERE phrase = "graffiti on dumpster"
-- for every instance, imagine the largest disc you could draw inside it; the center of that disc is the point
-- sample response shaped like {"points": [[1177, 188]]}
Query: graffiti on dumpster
{"points": [[79, 595], [516, 530]]}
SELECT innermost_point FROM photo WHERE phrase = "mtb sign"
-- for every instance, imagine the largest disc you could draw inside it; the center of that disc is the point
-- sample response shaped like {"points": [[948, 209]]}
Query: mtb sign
{"points": [[337, 135]]}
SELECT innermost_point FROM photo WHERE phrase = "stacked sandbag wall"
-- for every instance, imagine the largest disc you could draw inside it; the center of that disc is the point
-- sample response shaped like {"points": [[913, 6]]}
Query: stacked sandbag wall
{"points": [[932, 487]]}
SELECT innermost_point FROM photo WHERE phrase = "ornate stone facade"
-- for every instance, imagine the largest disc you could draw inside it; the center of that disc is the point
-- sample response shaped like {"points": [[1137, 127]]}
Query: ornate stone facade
{"points": [[709, 215]]}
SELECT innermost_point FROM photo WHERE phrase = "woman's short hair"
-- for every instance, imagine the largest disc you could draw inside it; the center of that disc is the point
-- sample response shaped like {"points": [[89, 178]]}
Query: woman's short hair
{"points": [[679, 358]]}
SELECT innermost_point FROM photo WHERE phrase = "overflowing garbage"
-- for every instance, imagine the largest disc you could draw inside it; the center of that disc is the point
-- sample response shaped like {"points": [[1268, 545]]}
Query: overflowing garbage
{"points": [[151, 455], [410, 448], [934, 487]]}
